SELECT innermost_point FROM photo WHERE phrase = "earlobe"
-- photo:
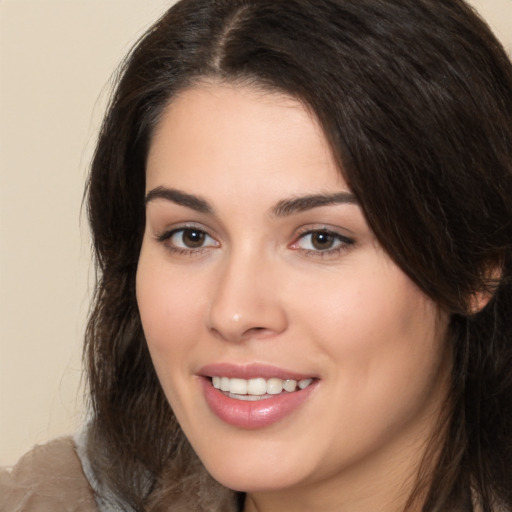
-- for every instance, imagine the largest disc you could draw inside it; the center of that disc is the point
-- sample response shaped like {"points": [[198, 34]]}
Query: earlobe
{"points": [[479, 299]]}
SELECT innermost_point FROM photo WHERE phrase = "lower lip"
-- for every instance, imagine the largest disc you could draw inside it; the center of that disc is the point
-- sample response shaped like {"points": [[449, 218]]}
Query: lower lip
{"points": [[253, 414]]}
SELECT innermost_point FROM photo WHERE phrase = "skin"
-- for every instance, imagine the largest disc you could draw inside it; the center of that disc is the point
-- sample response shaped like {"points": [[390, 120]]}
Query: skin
{"points": [[256, 289]]}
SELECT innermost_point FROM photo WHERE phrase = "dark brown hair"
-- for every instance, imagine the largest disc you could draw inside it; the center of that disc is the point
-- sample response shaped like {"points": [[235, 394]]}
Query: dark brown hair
{"points": [[415, 98]]}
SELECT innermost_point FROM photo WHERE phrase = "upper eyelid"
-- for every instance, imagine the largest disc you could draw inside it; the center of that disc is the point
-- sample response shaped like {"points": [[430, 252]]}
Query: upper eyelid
{"points": [[164, 222], [167, 233], [315, 228], [178, 226], [342, 238]]}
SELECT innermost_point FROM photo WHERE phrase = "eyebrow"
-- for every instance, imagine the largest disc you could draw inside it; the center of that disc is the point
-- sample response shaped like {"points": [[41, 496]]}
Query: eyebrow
{"points": [[283, 208], [182, 198], [300, 204]]}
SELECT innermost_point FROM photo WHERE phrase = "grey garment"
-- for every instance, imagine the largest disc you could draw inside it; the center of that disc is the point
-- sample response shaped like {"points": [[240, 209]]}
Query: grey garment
{"points": [[106, 500], [47, 478], [196, 491]]}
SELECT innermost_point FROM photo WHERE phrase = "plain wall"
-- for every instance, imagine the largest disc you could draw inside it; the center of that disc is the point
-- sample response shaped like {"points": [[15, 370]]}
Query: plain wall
{"points": [[56, 58]]}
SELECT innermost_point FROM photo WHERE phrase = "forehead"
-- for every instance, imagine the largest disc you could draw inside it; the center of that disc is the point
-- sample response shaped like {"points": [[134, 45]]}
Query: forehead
{"points": [[239, 136]]}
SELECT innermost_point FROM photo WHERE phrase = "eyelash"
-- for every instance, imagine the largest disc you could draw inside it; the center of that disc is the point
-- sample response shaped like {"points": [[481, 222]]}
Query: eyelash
{"points": [[342, 242], [166, 237]]}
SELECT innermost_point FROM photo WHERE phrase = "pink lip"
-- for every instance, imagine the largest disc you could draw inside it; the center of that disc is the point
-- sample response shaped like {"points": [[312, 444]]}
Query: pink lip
{"points": [[252, 414]]}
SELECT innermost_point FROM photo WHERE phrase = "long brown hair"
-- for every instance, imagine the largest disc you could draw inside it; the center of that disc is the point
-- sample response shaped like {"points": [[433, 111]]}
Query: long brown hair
{"points": [[415, 98]]}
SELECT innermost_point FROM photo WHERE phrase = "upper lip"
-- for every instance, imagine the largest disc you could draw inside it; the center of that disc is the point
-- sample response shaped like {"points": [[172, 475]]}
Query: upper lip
{"points": [[250, 371]]}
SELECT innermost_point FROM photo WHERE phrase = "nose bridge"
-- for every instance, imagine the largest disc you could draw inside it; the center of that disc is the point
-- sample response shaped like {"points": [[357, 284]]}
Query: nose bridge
{"points": [[244, 303]]}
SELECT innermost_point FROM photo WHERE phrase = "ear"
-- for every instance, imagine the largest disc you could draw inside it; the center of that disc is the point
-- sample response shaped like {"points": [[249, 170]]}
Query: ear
{"points": [[479, 299]]}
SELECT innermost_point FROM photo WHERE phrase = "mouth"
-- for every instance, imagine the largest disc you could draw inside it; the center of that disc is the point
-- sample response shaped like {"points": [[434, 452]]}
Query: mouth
{"points": [[258, 388], [254, 396]]}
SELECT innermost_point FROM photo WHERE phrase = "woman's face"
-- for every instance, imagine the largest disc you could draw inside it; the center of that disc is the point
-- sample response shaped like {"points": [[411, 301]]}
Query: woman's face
{"points": [[258, 271]]}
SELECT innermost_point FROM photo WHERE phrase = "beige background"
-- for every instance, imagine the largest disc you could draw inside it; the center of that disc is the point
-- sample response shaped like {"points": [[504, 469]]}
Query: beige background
{"points": [[56, 58]]}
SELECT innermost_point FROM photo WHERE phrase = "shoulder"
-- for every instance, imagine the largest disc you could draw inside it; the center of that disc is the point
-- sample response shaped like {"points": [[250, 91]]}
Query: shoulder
{"points": [[50, 477]]}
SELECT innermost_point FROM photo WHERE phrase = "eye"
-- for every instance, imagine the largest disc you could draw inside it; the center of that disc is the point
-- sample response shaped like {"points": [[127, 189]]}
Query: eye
{"points": [[322, 240], [187, 239]]}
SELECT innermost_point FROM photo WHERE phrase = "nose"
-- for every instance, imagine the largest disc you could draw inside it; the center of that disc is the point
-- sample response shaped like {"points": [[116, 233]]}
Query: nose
{"points": [[245, 303]]}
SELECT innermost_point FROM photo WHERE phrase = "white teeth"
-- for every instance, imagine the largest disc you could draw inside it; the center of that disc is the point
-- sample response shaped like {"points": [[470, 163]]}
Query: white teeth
{"points": [[290, 385], [255, 388], [304, 383], [274, 386], [238, 386], [225, 383], [247, 398]]}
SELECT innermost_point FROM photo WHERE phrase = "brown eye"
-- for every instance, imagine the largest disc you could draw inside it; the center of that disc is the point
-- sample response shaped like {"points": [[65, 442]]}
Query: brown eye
{"points": [[193, 238], [189, 239], [322, 240]]}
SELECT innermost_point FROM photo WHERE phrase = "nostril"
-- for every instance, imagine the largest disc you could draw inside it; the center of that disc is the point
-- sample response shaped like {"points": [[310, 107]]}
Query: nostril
{"points": [[258, 332]]}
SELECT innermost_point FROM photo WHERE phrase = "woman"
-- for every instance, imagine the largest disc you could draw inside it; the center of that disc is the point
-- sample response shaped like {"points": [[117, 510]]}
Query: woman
{"points": [[302, 218]]}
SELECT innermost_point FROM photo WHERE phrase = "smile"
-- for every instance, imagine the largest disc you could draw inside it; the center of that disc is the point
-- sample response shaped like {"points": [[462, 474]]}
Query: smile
{"points": [[255, 396], [258, 388]]}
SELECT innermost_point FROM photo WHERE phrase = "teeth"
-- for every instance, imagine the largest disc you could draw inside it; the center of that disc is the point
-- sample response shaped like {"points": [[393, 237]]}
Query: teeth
{"points": [[238, 386], [304, 383], [289, 385], [274, 386], [258, 387], [225, 383]]}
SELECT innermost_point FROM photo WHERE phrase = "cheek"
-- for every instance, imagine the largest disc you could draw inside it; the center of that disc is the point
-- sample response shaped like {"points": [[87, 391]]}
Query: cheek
{"points": [[169, 310], [382, 343], [368, 312], [383, 337]]}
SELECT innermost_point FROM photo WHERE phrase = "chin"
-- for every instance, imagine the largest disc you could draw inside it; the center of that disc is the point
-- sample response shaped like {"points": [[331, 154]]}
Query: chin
{"points": [[250, 482], [247, 471]]}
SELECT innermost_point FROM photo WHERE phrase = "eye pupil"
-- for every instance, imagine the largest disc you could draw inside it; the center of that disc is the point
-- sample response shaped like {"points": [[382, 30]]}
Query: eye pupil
{"points": [[193, 238], [322, 240]]}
